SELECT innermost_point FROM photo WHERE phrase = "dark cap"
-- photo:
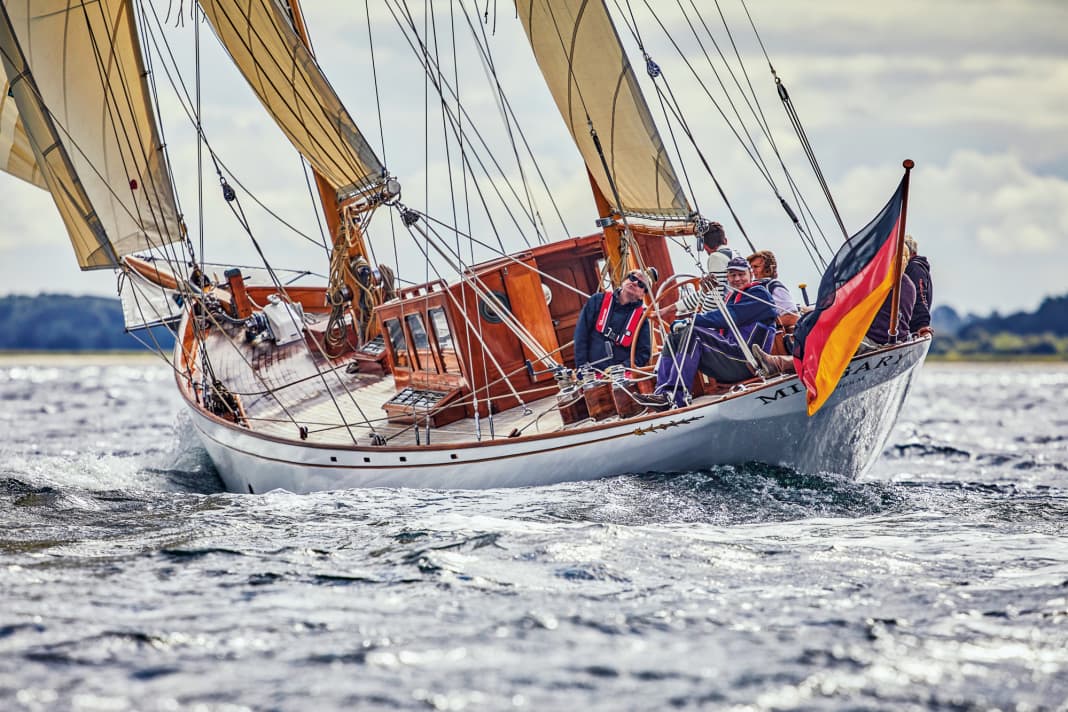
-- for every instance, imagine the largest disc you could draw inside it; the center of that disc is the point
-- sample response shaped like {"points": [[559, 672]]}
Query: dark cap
{"points": [[738, 264]]}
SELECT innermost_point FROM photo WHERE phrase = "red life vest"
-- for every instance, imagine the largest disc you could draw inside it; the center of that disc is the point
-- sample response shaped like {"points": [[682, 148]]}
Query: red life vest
{"points": [[627, 336]]}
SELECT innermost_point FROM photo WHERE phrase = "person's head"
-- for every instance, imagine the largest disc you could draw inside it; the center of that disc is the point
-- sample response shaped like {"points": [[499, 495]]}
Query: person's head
{"points": [[714, 237], [910, 245], [738, 273], [634, 286], [764, 265]]}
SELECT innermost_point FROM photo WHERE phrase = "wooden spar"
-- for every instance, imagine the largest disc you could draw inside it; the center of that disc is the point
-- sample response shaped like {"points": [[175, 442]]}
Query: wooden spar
{"points": [[899, 263], [613, 234], [347, 235], [327, 192]]}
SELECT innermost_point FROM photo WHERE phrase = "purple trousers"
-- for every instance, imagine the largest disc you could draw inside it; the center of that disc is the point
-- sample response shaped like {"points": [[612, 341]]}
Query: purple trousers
{"points": [[714, 354]]}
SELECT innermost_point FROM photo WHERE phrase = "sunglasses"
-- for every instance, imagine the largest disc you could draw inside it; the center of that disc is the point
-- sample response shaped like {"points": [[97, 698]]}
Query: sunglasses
{"points": [[637, 280]]}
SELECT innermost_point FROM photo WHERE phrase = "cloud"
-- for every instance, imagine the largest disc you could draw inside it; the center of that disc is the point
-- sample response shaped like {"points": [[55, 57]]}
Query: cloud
{"points": [[977, 217]]}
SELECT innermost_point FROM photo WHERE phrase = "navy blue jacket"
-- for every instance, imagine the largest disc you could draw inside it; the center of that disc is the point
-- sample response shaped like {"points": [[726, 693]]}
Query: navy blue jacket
{"points": [[919, 271], [594, 348], [754, 307], [880, 327]]}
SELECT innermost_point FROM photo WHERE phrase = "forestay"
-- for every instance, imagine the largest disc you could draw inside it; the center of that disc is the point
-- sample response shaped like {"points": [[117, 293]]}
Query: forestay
{"points": [[78, 82], [579, 52], [260, 38]]}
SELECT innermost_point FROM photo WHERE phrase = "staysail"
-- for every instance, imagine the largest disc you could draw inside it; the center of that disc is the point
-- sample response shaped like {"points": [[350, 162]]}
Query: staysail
{"points": [[76, 75], [16, 153], [260, 38], [581, 57]]}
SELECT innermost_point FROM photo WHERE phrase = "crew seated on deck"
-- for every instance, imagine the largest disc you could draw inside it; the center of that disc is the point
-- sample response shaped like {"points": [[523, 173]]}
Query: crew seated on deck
{"points": [[607, 324], [708, 343]]}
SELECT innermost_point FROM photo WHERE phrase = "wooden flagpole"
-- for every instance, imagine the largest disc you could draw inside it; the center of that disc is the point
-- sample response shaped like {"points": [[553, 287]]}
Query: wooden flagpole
{"points": [[899, 263]]}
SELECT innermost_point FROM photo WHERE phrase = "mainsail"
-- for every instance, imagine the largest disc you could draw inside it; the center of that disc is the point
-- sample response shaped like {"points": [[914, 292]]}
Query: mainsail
{"points": [[260, 37], [77, 78], [581, 57]]}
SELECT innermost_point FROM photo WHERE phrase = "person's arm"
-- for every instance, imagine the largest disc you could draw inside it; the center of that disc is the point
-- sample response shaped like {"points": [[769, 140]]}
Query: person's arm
{"points": [[717, 267], [784, 302], [583, 329], [755, 305], [644, 349], [906, 305]]}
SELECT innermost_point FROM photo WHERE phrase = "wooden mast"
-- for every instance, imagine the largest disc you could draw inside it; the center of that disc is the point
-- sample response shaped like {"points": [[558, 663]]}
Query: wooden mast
{"points": [[327, 193], [345, 228], [613, 234], [899, 263]]}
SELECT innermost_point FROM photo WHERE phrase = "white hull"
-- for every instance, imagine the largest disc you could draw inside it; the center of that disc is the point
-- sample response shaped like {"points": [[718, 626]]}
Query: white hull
{"points": [[764, 423]]}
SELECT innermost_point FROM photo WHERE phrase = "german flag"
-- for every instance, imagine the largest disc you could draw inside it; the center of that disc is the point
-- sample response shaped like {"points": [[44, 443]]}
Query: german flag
{"points": [[851, 293]]}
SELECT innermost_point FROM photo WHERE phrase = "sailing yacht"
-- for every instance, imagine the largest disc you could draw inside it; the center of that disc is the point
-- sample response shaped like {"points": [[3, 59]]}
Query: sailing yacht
{"points": [[466, 378]]}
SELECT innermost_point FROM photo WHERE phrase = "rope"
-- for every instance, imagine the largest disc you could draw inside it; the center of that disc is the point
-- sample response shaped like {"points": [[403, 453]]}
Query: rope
{"points": [[795, 120]]}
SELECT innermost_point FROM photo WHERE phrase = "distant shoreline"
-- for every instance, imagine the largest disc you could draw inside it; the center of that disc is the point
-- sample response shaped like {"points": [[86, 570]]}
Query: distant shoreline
{"points": [[74, 358], [996, 358]]}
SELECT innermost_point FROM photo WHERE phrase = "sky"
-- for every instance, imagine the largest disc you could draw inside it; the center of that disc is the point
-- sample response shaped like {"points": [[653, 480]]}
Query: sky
{"points": [[974, 91]]}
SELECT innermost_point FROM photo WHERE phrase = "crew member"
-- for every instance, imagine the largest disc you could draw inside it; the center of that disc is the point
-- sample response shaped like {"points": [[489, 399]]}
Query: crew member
{"points": [[608, 325]]}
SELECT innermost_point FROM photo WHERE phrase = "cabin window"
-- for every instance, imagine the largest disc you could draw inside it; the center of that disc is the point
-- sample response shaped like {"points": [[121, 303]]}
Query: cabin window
{"points": [[443, 334], [420, 342], [399, 342], [418, 331]]}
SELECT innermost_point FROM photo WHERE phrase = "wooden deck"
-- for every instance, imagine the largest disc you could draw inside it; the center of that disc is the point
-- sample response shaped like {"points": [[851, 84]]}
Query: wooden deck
{"points": [[285, 388]]}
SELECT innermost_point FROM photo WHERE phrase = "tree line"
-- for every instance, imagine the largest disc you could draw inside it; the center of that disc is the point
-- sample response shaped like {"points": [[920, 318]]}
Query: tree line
{"points": [[61, 322], [1042, 333]]}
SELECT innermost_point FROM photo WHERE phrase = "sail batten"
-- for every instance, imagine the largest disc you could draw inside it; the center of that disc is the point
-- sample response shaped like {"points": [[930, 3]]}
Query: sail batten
{"points": [[593, 83], [262, 42], [81, 105]]}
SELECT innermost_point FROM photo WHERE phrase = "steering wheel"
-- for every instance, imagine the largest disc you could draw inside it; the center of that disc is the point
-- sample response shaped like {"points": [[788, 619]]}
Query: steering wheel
{"points": [[671, 285]]}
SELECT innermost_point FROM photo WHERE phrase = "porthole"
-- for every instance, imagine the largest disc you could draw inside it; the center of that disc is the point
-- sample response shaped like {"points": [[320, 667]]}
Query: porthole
{"points": [[489, 311]]}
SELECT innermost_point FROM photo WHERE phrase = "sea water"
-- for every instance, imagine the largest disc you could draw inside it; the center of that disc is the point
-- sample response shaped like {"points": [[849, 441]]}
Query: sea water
{"points": [[130, 581]]}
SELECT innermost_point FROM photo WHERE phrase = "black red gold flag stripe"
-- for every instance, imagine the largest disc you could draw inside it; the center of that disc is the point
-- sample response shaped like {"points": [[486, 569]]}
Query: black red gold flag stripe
{"points": [[852, 291]]}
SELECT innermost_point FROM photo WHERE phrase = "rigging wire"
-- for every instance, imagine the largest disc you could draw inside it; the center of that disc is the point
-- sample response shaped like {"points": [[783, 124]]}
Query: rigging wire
{"points": [[655, 72], [489, 67], [746, 143], [423, 55], [482, 43], [200, 142], [795, 120], [424, 59], [381, 129], [763, 123], [467, 209], [757, 112], [181, 92]]}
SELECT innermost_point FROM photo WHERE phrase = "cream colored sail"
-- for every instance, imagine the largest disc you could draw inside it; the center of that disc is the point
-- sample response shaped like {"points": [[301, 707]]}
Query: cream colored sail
{"points": [[582, 60], [77, 78], [16, 153], [260, 38]]}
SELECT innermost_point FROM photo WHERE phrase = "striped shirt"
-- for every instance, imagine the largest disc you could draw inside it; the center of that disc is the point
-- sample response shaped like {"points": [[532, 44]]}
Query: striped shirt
{"points": [[690, 302]]}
